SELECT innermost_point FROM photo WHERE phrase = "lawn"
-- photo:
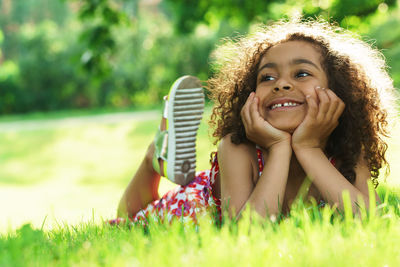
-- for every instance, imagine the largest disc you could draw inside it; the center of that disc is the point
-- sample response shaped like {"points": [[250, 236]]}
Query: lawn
{"points": [[69, 170], [64, 178]]}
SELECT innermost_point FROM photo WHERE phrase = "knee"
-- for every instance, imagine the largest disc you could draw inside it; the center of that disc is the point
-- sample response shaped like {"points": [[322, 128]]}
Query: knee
{"points": [[149, 154]]}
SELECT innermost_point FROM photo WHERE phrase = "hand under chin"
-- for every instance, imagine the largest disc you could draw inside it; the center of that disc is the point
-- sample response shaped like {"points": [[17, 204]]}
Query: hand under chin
{"points": [[286, 128]]}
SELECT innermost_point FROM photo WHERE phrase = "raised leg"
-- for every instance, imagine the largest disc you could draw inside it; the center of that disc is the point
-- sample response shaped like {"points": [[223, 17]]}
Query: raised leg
{"points": [[174, 150], [142, 189]]}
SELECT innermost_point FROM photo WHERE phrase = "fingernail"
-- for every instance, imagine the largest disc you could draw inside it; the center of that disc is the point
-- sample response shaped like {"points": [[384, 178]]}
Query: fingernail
{"points": [[317, 87], [324, 88], [308, 96]]}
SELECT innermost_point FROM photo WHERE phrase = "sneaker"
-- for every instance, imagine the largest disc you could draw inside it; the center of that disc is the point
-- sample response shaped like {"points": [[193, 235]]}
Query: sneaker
{"points": [[175, 142]]}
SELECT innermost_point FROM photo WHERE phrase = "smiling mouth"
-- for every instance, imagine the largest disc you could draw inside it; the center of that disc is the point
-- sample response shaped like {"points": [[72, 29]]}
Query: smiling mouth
{"points": [[288, 104]]}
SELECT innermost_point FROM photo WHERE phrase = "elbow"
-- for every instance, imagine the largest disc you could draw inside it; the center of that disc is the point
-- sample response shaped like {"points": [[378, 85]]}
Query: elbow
{"points": [[251, 208], [263, 208], [362, 203]]}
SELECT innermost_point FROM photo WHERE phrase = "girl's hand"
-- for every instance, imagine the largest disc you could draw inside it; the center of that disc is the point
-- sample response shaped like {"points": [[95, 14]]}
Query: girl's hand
{"points": [[259, 130], [321, 119]]}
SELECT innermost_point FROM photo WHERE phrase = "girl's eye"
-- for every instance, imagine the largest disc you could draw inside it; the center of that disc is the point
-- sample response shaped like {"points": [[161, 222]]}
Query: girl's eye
{"points": [[266, 78], [301, 74]]}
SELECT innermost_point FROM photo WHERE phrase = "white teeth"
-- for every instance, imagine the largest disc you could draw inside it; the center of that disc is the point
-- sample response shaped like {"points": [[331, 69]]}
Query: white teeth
{"points": [[286, 104]]}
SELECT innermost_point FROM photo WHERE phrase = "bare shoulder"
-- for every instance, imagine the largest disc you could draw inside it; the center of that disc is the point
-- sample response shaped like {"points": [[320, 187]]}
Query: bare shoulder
{"points": [[237, 161], [230, 151], [236, 172]]}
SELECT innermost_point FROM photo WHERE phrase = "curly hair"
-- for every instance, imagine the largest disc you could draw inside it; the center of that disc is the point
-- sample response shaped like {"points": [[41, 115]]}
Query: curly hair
{"points": [[356, 73]]}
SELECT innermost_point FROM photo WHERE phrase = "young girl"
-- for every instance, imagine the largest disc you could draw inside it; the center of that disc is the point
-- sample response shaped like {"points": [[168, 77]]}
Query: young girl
{"points": [[294, 102]]}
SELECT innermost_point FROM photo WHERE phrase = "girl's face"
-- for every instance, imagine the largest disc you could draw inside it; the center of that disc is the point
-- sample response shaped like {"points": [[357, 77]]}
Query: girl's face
{"points": [[286, 74]]}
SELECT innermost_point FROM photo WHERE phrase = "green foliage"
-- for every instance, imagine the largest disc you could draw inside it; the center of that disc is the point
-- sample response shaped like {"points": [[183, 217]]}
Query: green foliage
{"points": [[16, 13], [98, 36], [386, 34], [43, 76], [117, 53], [360, 8], [50, 66], [188, 14], [33, 11]]}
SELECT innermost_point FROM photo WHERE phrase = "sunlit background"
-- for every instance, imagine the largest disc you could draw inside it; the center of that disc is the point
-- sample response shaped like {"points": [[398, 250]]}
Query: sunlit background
{"points": [[81, 83]]}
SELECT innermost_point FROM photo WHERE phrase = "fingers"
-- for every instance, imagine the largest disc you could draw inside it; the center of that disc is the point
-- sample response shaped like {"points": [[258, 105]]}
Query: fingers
{"points": [[245, 113], [335, 103], [312, 107], [249, 111], [330, 106], [324, 101], [339, 110], [254, 115], [324, 110]]}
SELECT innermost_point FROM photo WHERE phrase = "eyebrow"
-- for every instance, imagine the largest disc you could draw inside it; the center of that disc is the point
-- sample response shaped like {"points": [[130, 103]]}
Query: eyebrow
{"points": [[296, 61]]}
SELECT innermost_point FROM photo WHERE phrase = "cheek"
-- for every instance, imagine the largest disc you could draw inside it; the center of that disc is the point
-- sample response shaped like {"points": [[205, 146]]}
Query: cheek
{"points": [[262, 90], [309, 90], [260, 99], [258, 91]]}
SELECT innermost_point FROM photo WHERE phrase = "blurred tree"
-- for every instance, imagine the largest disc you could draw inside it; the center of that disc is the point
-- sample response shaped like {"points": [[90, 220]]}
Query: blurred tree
{"points": [[188, 14], [223, 17], [14, 13], [386, 35], [100, 18], [62, 54]]}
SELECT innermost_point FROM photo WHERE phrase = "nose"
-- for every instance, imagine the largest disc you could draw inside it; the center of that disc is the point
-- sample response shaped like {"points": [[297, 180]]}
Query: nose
{"points": [[282, 87]]}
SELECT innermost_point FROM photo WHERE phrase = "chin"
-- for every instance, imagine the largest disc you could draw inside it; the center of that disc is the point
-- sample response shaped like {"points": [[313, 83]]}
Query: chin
{"points": [[287, 129], [290, 128], [285, 123]]}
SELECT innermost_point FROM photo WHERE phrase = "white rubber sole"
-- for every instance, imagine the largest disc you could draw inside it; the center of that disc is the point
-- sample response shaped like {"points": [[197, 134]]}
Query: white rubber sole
{"points": [[185, 111]]}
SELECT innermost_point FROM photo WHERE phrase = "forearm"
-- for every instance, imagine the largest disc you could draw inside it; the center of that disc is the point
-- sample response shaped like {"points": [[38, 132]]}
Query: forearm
{"points": [[328, 180], [268, 194]]}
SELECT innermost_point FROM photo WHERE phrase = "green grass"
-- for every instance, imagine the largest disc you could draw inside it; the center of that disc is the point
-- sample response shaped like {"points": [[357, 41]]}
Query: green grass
{"points": [[308, 237], [89, 154], [60, 114], [65, 181], [69, 172]]}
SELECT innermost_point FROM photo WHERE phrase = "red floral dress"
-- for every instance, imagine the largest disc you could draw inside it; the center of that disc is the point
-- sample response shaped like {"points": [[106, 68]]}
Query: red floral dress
{"points": [[189, 201]]}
